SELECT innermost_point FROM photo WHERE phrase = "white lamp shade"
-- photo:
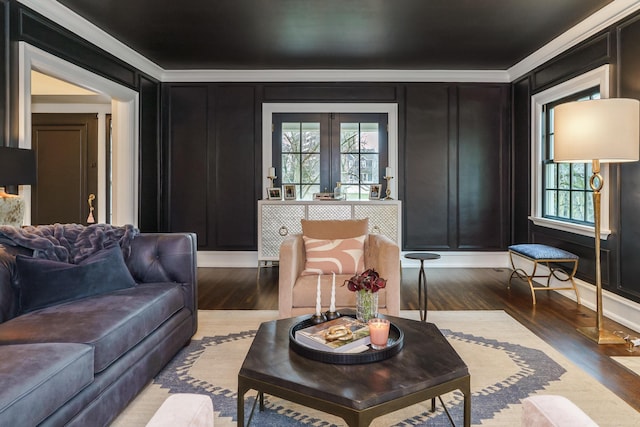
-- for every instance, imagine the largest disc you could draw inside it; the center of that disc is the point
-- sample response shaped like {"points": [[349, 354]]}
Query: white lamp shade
{"points": [[607, 130]]}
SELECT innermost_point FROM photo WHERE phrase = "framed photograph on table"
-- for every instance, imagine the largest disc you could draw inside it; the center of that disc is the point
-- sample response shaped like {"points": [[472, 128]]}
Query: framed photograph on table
{"points": [[374, 192], [289, 192], [275, 193]]}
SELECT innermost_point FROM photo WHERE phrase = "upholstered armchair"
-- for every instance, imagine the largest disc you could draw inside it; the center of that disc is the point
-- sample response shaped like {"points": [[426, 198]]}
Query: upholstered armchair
{"points": [[299, 275]]}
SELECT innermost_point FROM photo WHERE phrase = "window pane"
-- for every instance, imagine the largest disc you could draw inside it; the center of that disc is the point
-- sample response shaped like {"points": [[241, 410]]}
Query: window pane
{"points": [[564, 204], [305, 191], [290, 168], [349, 168], [577, 205], [590, 213], [310, 169], [550, 203], [353, 192], [369, 166], [577, 176], [564, 175], [310, 137], [369, 137], [290, 137], [550, 177], [349, 137]]}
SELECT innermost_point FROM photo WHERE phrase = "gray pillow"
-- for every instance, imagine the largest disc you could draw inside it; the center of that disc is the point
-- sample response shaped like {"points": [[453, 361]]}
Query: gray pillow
{"points": [[44, 282]]}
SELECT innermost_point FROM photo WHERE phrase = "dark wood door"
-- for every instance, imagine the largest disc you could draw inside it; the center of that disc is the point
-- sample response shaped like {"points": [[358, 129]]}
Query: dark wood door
{"points": [[66, 147]]}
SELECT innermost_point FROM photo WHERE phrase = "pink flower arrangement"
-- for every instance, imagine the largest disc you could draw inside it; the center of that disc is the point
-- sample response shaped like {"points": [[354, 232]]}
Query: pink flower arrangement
{"points": [[368, 281]]}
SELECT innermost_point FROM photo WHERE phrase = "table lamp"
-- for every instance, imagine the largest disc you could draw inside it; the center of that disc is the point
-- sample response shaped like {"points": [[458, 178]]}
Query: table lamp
{"points": [[17, 167], [597, 131]]}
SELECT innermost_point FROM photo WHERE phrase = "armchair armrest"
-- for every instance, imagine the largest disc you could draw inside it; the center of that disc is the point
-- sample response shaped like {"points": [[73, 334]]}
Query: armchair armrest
{"points": [[383, 255], [291, 263]]}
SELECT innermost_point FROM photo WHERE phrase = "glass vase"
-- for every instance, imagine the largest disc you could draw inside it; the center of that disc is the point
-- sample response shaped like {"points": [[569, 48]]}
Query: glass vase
{"points": [[366, 305]]}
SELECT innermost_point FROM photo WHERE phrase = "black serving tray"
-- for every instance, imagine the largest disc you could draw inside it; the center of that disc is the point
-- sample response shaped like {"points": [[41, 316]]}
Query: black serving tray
{"points": [[394, 345]]}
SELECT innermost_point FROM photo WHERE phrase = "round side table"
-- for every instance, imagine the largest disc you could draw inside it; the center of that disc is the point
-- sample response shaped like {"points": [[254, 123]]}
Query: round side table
{"points": [[422, 279]]}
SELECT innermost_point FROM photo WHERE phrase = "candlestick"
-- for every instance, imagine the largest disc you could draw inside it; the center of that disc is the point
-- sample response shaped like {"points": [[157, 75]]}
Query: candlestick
{"points": [[332, 313], [271, 176], [332, 306], [388, 192], [318, 308], [318, 317]]}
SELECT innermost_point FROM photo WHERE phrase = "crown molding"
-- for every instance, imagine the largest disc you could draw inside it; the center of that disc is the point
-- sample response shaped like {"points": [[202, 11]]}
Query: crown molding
{"points": [[600, 20], [489, 76], [595, 23], [76, 24]]}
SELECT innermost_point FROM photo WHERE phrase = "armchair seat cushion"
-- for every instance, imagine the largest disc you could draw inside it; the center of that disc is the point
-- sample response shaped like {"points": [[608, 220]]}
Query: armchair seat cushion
{"points": [[305, 288]]}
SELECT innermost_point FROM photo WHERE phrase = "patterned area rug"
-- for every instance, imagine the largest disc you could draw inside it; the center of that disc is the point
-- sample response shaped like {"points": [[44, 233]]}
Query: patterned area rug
{"points": [[506, 361]]}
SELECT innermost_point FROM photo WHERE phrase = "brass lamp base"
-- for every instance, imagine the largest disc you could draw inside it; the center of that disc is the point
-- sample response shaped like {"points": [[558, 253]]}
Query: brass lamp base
{"points": [[600, 337]]}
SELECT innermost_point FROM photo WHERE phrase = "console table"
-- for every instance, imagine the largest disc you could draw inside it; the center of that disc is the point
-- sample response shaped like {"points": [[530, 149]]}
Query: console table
{"points": [[278, 218]]}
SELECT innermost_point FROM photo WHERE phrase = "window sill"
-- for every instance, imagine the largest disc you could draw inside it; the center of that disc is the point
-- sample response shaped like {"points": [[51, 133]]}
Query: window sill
{"points": [[569, 227]]}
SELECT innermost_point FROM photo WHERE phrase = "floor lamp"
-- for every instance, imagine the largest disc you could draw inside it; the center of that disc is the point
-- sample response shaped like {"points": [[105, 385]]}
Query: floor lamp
{"points": [[597, 131]]}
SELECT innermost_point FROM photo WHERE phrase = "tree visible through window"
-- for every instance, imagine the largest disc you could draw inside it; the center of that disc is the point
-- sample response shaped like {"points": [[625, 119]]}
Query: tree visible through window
{"points": [[567, 194]]}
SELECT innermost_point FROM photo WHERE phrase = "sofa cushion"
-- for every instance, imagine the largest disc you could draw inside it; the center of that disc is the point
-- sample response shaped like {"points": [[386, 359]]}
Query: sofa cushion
{"points": [[334, 229], [112, 323], [340, 256], [39, 378], [45, 282]]}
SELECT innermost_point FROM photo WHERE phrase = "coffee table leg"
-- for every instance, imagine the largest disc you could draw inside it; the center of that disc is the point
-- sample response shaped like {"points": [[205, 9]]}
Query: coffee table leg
{"points": [[422, 287], [240, 408], [467, 403]]}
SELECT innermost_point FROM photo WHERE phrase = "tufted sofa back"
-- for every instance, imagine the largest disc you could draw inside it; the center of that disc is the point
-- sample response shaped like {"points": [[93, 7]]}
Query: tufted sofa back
{"points": [[153, 258]]}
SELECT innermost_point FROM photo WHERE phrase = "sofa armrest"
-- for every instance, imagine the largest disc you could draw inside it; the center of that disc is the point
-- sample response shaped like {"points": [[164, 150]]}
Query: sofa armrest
{"points": [[291, 263], [383, 255], [166, 257]]}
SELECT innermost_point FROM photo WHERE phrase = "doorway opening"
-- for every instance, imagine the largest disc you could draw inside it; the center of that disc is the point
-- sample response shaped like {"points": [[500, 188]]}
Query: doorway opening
{"points": [[124, 137]]}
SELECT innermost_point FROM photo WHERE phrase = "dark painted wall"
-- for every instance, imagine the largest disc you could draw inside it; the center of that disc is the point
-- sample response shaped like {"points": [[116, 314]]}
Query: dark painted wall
{"points": [[464, 148], [453, 172], [619, 45]]}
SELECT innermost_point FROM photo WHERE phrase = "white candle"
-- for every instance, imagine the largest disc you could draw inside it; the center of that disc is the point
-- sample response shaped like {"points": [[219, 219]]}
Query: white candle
{"points": [[318, 298], [388, 172], [272, 171], [332, 308]]}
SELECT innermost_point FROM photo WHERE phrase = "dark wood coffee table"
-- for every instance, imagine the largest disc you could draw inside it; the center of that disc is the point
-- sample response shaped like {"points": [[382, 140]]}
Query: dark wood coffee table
{"points": [[426, 367]]}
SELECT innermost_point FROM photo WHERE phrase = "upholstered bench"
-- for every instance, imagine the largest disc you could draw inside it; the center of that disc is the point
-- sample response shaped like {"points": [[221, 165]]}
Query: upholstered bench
{"points": [[552, 258], [553, 411], [184, 410]]}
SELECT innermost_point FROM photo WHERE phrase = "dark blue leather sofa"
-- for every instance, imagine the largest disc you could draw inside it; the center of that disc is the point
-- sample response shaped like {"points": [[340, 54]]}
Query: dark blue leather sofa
{"points": [[81, 362]]}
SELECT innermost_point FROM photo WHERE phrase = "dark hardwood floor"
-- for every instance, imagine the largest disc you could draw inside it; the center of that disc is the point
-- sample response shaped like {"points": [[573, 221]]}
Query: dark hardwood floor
{"points": [[554, 319]]}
